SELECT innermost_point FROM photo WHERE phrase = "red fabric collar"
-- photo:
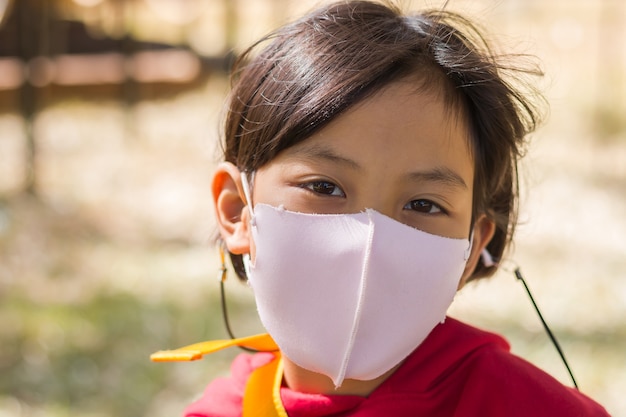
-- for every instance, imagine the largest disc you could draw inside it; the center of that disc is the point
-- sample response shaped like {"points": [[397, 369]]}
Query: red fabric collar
{"points": [[431, 361]]}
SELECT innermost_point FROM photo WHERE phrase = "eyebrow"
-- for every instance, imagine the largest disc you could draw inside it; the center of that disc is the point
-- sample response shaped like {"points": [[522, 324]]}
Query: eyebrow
{"points": [[443, 175], [317, 151]]}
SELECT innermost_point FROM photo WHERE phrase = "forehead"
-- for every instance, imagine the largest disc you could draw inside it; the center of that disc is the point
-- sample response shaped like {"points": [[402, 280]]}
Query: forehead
{"points": [[401, 126]]}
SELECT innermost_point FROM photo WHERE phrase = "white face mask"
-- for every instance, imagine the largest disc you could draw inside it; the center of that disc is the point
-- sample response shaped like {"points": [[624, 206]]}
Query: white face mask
{"points": [[350, 295]]}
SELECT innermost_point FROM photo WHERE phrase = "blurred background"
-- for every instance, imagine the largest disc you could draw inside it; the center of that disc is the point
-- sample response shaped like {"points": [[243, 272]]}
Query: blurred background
{"points": [[109, 119]]}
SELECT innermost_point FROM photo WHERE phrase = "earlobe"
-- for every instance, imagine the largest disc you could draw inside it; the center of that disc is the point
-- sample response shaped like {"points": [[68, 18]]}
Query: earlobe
{"points": [[230, 208], [484, 229]]}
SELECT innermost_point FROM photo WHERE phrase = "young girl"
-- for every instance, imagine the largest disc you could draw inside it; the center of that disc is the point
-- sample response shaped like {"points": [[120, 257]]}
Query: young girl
{"points": [[369, 174]]}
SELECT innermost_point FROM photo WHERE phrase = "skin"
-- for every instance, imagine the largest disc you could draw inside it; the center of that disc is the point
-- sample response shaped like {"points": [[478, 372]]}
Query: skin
{"points": [[400, 152]]}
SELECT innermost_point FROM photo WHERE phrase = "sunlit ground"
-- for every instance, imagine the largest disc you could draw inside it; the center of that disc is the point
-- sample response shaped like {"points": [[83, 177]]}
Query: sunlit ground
{"points": [[113, 260]]}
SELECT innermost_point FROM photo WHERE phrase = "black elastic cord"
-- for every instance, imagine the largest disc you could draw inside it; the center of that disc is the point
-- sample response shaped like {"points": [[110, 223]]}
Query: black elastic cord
{"points": [[225, 314], [518, 275]]}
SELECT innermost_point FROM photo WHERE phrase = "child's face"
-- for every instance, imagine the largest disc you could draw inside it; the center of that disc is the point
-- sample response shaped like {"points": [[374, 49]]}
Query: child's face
{"points": [[400, 152]]}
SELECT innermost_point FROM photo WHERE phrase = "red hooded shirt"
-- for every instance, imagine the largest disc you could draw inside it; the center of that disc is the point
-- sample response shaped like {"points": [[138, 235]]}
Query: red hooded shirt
{"points": [[458, 371]]}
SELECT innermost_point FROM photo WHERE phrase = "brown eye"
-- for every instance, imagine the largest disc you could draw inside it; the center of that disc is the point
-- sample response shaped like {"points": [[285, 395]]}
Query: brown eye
{"points": [[424, 206], [324, 188]]}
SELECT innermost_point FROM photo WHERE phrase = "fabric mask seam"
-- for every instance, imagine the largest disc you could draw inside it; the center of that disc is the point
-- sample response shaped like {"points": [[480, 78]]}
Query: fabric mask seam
{"points": [[359, 306]]}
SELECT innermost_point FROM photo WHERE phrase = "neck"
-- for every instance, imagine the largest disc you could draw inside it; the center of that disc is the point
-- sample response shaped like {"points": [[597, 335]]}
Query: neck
{"points": [[303, 380]]}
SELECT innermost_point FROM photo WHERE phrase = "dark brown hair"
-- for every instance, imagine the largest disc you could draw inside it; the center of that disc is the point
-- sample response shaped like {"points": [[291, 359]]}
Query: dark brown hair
{"points": [[310, 71]]}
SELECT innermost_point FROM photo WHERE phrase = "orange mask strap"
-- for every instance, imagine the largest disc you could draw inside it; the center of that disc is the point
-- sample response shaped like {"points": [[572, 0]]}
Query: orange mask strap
{"points": [[262, 393], [260, 342]]}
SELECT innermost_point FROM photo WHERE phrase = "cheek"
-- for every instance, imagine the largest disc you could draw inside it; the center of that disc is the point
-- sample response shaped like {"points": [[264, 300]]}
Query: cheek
{"points": [[459, 222], [267, 182]]}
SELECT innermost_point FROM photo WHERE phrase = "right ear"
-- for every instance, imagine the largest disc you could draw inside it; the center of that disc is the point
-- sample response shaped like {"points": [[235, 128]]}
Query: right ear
{"points": [[231, 209]]}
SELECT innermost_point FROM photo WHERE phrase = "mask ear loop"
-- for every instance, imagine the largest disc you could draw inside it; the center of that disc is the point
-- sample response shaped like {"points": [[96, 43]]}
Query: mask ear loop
{"points": [[223, 270], [488, 261], [470, 244], [246, 185]]}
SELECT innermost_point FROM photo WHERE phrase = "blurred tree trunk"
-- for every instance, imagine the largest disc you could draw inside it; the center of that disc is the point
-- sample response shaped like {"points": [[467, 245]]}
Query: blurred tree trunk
{"points": [[231, 22], [610, 104], [32, 20], [231, 25], [124, 12]]}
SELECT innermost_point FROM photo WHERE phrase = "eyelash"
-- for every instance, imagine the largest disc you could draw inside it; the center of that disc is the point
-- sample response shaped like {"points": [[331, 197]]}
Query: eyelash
{"points": [[312, 185], [329, 185], [411, 206]]}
